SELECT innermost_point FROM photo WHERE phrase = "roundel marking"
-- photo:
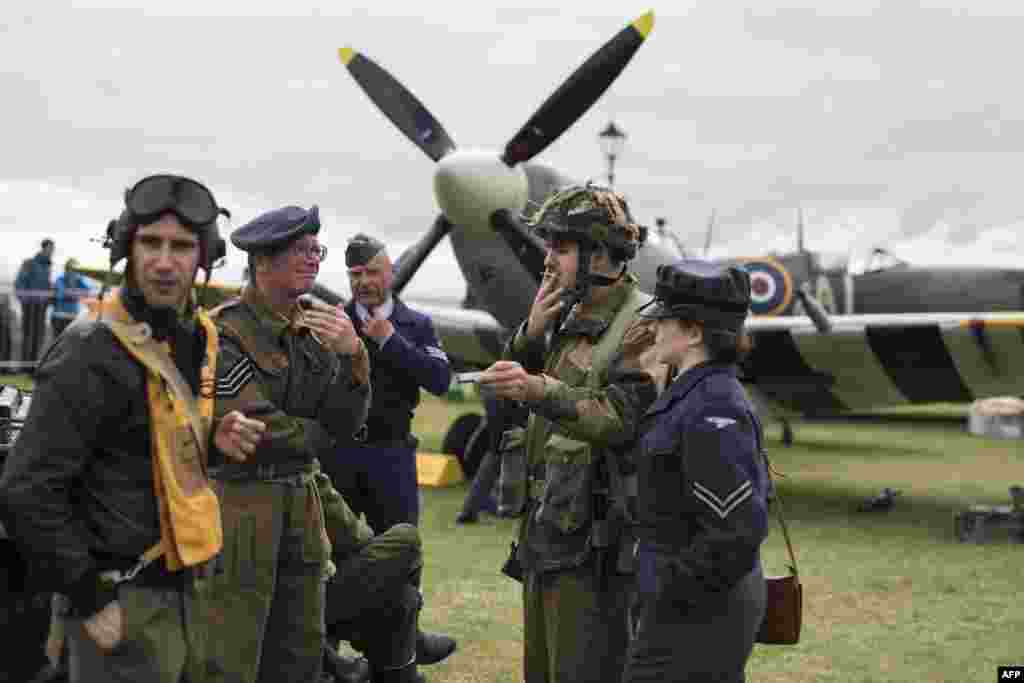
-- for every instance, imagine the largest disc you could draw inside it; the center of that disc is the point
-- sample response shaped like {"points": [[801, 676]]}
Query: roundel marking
{"points": [[771, 285]]}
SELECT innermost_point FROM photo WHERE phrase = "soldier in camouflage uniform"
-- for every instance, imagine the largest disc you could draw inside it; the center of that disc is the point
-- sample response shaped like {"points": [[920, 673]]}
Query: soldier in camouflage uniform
{"points": [[582, 363], [305, 375]]}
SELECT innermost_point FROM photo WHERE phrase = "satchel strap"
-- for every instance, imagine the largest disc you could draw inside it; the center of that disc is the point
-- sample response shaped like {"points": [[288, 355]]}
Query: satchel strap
{"points": [[758, 436]]}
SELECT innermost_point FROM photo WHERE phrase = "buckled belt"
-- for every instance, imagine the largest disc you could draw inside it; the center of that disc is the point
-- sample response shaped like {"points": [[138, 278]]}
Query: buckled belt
{"points": [[367, 435], [261, 471]]}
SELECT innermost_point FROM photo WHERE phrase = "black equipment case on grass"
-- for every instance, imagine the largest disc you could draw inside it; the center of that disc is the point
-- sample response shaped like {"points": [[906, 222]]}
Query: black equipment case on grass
{"points": [[24, 618]]}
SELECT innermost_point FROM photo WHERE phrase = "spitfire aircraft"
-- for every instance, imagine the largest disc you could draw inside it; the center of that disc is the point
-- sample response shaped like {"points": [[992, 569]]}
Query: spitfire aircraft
{"points": [[878, 282], [814, 363], [820, 362]]}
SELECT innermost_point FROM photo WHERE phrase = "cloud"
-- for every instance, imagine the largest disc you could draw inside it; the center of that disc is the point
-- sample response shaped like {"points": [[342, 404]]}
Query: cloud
{"points": [[881, 119]]}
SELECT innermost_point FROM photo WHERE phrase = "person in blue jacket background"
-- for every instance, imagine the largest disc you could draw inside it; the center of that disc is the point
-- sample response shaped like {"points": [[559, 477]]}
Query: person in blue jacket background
{"points": [[375, 469], [702, 487], [69, 290], [32, 287]]}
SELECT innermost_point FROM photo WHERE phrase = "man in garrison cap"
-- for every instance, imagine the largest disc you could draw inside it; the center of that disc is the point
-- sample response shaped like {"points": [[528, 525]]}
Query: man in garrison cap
{"points": [[375, 467]]}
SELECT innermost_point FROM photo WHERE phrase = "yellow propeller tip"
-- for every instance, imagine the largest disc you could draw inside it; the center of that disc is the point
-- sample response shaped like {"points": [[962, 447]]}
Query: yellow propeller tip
{"points": [[346, 54], [644, 24]]}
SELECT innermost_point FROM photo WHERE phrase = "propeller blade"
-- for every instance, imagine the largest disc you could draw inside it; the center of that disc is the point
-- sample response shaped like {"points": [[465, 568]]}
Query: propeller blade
{"points": [[800, 230], [526, 246], [413, 257], [709, 234], [398, 104], [576, 95]]}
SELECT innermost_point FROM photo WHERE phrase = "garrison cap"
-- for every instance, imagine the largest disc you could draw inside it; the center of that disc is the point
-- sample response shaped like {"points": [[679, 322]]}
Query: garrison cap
{"points": [[361, 249], [716, 295], [276, 228]]}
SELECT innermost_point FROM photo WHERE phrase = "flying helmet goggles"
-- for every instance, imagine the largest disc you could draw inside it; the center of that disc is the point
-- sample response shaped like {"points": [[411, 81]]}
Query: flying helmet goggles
{"points": [[153, 196], [589, 213]]}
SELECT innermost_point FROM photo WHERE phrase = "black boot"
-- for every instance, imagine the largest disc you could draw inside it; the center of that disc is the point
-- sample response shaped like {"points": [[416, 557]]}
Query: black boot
{"points": [[466, 517], [345, 669], [432, 648], [407, 674]]}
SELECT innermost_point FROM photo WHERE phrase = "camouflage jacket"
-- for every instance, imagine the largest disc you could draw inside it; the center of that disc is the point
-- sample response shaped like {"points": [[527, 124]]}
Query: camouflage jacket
{"points": [[271, 368], [596, 390]]}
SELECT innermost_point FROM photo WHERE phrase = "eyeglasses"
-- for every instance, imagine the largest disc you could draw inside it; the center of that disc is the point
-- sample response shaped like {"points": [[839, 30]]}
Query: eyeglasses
{"points": [[187, 199], [313, 252]]}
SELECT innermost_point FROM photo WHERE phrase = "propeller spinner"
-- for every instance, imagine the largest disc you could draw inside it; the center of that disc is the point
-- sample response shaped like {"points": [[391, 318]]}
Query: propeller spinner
{"points": [[485, 189]]}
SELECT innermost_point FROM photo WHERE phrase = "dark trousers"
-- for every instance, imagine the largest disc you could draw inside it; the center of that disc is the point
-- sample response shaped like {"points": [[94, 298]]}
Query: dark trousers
{"points": [[58, 325], [373, 600], [378, 480], [481, 491], [708, 641], [33, 329]]}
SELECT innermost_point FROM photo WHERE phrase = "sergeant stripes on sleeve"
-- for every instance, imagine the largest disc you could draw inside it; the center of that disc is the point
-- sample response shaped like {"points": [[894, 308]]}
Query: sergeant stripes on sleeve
{"points": [[722, 506], [230, 384]]}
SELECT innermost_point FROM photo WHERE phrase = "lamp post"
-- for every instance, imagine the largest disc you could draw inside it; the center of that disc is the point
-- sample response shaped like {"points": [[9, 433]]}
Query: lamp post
{"points": [[612, 139]]}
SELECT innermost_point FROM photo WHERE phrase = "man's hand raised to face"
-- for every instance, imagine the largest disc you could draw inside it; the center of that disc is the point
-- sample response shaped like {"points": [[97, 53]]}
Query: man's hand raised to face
{"points": [[545, 308], [377, 328], [332, 327]]}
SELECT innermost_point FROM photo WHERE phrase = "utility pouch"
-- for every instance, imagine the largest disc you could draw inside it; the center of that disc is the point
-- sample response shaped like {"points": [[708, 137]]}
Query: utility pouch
{"points": [[601, 534], [512, 478], [512, 568]]}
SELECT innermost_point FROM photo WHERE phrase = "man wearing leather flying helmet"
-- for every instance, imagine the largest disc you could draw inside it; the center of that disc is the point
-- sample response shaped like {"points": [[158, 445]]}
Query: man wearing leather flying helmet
{"points": [[303, 374], [113, 508], [581, 364], [702, 487]]}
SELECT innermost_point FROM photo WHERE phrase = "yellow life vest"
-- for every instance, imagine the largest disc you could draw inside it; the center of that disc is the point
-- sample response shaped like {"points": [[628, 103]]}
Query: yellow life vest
{"points": [[180, 424]]}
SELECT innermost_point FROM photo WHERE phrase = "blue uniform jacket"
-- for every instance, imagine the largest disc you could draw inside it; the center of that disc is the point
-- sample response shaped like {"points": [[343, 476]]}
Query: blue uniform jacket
{"points": [[411, 358], [70, 288], [32, 285], [703, 487]]}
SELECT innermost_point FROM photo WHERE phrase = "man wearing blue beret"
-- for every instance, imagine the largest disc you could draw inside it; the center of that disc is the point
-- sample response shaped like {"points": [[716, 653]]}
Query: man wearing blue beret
{"points": [[376, 467], [303, 373]]}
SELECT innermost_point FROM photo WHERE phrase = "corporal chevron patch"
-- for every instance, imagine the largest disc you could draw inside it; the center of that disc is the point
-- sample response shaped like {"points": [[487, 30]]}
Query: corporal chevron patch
{"points": [[230, 384], [722, 506]]}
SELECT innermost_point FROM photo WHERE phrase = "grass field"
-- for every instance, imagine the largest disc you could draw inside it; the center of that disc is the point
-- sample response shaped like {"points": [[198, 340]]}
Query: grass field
{"points": [[888, 596]]}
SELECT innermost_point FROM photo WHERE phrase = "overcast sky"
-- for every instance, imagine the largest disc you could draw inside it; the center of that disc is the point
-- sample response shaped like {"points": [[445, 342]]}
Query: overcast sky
{"points": [[892, 123]]}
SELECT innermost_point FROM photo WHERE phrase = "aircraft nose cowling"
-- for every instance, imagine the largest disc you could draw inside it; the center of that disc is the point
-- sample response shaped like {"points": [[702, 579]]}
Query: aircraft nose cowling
{"points": [[470, 185]]}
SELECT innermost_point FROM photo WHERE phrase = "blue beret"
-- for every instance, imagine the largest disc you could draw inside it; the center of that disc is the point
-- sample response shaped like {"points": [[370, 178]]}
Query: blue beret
{"points": [[276, 228]]}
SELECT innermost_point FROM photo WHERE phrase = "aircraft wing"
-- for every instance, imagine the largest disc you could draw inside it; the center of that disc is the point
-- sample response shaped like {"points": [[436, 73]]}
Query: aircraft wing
{"points": [[863, 362], [869, 361], [216, 294], [469, 336]]}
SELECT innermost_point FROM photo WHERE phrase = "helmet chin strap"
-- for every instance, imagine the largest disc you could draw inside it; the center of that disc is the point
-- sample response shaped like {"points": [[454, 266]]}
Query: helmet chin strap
{"points": [[598, 280]]}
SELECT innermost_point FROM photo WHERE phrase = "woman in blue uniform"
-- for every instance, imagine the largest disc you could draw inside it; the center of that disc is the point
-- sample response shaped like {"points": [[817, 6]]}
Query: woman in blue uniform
{"points": [[703, 487]]}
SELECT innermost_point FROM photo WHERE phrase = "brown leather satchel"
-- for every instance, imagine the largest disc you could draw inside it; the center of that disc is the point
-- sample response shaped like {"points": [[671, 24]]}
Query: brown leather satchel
{"points": [[784, 595]]}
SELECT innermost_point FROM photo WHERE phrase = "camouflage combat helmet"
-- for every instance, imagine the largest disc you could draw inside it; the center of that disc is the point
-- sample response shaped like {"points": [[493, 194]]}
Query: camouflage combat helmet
{"points": [[589, 213]]}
